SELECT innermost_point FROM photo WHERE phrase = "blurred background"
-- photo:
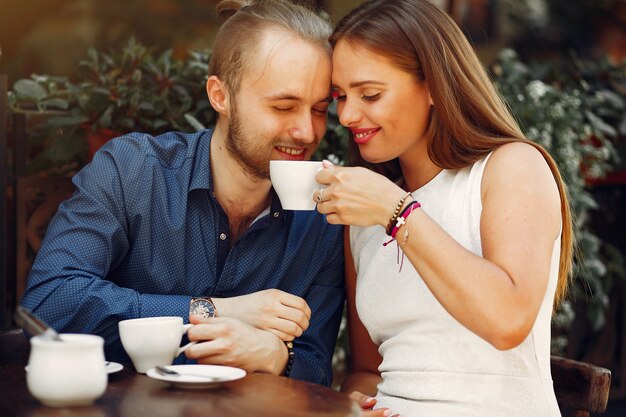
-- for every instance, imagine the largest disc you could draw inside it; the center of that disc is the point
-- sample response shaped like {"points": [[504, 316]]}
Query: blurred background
{"points": [[78, 72], [51, 36]]}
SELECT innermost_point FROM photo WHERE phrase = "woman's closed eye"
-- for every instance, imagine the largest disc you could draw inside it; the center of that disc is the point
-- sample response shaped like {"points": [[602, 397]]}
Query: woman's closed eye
{"points": [[372, 97]]}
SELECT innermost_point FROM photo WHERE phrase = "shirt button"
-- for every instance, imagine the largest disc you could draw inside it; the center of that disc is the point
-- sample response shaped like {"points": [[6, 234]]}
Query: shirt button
{"points": [[223, 236], [276, 214]]}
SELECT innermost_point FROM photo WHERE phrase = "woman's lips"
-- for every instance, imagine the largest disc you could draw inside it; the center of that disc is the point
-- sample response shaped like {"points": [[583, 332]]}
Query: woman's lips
{"points": [[362, 136]]}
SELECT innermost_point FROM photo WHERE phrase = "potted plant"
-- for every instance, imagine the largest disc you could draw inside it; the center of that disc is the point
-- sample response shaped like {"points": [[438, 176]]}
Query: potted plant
{"points": [[118, 92]]}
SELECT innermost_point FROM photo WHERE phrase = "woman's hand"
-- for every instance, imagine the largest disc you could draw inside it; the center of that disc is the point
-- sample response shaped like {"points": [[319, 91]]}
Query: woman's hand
{"points": [[356, 196], [367, 404]]}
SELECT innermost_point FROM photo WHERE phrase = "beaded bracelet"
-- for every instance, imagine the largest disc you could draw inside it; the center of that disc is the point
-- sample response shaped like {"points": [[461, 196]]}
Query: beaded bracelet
{"points": [[291, 354], [402, 220], [396, 213]]}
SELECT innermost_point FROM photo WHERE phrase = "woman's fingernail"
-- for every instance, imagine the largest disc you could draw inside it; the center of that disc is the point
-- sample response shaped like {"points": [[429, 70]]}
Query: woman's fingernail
{"points": [[387, 413], [327, 164]]}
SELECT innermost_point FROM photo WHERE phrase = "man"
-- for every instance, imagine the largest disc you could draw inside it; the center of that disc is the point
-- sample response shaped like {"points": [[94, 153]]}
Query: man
{"points": [[161, 225]]}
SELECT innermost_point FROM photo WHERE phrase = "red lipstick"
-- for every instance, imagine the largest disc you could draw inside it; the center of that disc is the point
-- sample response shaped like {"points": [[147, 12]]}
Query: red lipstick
{"points": [[364, 135]]}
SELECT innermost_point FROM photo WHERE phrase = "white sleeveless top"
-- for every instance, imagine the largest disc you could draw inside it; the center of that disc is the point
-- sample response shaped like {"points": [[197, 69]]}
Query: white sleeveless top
{"points": [[432, 365]]}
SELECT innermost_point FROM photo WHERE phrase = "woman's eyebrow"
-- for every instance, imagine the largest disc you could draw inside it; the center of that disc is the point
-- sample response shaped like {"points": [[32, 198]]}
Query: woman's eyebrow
{"points": [[366, 82]]}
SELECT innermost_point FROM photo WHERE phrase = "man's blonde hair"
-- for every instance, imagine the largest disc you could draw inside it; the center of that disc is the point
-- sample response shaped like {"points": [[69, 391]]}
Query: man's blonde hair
{"points": [[238, 39]]}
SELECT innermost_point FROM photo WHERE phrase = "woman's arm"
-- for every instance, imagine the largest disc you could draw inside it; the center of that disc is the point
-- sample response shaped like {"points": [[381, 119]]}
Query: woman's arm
{"points": [[497, 296], [365, 359]]}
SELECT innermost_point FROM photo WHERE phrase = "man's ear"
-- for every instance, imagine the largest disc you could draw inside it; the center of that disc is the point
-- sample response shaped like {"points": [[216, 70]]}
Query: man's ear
{"points": [[218, 95]]}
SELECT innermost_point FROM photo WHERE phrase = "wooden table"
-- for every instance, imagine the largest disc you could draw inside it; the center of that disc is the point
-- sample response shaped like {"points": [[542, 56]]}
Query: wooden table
{"points": [[134, 395]]}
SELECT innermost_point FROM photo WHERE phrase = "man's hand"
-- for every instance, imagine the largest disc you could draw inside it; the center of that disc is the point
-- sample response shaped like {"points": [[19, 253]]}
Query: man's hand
{"points": [[284, 314], [227, 341]]}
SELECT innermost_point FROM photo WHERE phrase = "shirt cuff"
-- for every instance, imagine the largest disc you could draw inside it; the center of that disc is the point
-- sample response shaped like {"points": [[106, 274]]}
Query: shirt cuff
{"points": [[157, 305], [304, 370]]}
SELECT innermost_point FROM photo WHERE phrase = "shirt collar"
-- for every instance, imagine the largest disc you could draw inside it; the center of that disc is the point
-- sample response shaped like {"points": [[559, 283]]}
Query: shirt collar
{"points": [[201, 178], [201, 172]]}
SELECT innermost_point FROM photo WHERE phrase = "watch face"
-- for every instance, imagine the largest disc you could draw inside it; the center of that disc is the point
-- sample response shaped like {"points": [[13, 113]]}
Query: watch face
{"points": [[202, 308]]}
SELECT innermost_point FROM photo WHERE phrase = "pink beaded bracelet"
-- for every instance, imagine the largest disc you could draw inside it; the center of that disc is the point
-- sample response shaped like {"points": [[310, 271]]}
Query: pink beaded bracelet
{"points": [[400, 221]]}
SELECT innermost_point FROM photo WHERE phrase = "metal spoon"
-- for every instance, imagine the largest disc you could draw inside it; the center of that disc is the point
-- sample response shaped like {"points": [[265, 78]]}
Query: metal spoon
{"points": [[34, 325], [170, 372]]}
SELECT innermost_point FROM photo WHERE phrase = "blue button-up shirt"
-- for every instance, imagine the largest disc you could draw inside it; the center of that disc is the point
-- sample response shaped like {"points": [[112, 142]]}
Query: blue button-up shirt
{"points": [[143, 233]]}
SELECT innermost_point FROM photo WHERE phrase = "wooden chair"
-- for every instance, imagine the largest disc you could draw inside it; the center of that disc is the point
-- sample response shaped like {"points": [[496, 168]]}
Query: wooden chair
{"points": [[14, 347], [581, 388]]}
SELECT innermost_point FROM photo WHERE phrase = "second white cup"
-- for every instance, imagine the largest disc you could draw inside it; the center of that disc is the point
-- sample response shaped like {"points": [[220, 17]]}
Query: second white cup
{"points": [[294, 182], [153, 341]]}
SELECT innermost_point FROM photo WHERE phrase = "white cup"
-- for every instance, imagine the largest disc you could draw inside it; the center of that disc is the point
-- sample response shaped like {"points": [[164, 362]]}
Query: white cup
{"points": [[68, 373], [294, 182], [153, 341]]}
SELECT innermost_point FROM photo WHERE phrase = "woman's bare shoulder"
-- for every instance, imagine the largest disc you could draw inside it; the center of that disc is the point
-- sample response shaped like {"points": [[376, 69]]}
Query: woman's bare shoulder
{"points": [[521, 167]]}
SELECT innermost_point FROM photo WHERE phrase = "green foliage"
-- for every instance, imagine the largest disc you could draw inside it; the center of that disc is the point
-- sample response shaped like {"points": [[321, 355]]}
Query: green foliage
{"points": [[123, 91], [577, 114]]}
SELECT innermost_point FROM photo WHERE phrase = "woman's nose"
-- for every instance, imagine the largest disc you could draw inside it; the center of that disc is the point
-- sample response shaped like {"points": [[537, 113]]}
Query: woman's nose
{"points": [[348, 113]]}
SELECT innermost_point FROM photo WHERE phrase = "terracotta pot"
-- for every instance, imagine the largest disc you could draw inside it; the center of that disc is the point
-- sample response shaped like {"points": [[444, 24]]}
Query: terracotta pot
{"points": [[95, 140]]}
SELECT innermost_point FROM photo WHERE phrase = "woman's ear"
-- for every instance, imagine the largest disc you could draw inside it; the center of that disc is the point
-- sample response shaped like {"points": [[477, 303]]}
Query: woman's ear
{"points": [[218, 95]]}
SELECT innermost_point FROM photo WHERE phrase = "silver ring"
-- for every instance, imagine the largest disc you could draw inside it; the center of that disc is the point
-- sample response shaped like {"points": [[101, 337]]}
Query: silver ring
{"points": [[320, 196]]}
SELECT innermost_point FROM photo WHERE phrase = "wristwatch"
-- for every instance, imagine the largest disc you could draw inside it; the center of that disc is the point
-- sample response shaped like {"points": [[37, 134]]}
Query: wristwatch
{"points": [[202, 307]]}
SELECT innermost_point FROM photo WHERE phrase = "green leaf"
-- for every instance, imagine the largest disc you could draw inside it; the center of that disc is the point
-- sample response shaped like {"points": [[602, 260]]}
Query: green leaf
{"points": [[65, 148], [195, 123], [600, 125], [159, 124], [31, 89], [92, 54], [105, 119], [587, 201], [614, 99], [126, 123], [57, 103], [61, 121], [596, 316]]}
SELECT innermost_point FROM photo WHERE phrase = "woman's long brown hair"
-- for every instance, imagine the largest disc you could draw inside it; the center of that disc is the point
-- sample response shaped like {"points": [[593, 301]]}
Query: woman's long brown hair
{"points": [[469, 119]]}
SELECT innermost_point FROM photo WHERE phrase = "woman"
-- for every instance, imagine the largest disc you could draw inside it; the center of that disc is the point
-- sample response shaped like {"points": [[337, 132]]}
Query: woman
{"points": [[456, 317]]}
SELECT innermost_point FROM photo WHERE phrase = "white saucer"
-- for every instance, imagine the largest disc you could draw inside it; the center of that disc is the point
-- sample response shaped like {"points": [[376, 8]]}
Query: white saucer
{"points": [[192, 375], [113, 367], [110, 367]]}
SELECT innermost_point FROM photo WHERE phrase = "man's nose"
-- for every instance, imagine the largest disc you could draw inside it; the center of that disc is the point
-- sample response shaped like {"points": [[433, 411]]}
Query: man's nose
{"points": [[303, 130]]}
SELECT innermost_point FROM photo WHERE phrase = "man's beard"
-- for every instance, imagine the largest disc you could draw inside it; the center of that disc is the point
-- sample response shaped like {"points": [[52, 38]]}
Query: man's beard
{"points": [[253, 160], [252, 156]]}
